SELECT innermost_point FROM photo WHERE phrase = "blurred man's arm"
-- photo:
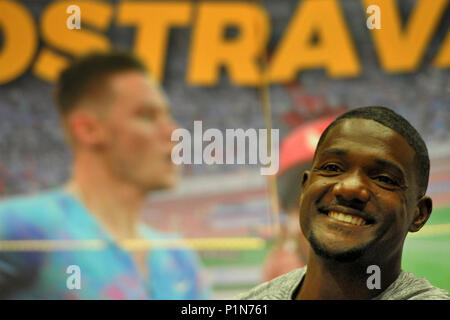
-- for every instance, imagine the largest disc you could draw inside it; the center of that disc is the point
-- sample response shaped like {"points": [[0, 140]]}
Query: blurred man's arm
{"points": [[200, 286], [18, 269]]}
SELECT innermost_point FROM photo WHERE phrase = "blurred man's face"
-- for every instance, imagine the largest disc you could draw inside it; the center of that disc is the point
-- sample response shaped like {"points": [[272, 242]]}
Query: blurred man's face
{"points": [[360, 197], [138, 127]]}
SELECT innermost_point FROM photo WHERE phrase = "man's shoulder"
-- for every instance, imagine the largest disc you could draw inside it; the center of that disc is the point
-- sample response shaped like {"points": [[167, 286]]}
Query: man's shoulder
{"points": [[153, 234], [410, 287], [29, 215], [173, 254], [168, 243], [280, 288], [29, 202]]}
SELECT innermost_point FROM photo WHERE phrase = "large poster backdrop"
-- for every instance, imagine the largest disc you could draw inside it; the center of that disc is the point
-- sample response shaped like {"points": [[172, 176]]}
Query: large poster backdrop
{"points": [[320, 59]]}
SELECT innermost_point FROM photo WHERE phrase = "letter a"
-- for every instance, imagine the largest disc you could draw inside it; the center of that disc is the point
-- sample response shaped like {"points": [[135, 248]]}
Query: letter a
{"points": [[374, 21], [74, 20], [183, 147], [74, 280], [374, 281], [212, 154]]}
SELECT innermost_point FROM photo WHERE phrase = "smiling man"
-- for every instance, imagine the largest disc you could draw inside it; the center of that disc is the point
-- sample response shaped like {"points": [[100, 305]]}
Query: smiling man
{"points": [[119, 126], [365, 191]]}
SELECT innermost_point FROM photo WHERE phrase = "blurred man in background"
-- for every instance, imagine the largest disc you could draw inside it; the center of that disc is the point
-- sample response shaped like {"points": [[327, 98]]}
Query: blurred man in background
{"points": [[118, 124]]}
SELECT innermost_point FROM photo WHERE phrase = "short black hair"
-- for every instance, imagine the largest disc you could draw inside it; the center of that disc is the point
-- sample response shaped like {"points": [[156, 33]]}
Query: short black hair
{"points": [[87, 73], [396, 122]]}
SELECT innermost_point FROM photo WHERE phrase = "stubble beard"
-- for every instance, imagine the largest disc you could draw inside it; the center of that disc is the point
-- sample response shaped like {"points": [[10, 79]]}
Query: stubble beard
{"points": [[350, 255]]}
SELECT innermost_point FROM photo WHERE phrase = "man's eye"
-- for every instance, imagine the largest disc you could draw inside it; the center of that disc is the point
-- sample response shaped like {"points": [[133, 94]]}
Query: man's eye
{"points": [[330, 168], [387, 180], [149, 115]]}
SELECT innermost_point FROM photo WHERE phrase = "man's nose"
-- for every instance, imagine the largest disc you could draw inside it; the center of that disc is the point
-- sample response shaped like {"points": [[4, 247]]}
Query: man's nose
{"points": [[352, 188]]}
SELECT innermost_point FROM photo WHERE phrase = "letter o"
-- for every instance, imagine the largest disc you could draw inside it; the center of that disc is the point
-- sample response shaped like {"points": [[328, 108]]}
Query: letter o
{"points": [[20, 40]]}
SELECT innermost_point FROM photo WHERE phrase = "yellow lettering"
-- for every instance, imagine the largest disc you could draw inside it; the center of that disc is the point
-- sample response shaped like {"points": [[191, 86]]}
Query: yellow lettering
{"points": [[442, 60], [55, 33], [210, 49], [19, 40], [333, 51], [401, 50], [153, 21]]}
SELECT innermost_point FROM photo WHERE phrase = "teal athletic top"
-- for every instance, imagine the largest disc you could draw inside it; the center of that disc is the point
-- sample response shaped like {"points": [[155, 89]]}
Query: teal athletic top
{"points": [[107, 272]]}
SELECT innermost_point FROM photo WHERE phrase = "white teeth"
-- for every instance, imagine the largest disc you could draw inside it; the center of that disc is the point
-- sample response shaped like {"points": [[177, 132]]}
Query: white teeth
{"points": [[346, 218]]}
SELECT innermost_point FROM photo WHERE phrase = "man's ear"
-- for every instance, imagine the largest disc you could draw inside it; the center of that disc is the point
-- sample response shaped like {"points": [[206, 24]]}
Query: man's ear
{"points": [[422, 213], [85, 127], [305, 177]]}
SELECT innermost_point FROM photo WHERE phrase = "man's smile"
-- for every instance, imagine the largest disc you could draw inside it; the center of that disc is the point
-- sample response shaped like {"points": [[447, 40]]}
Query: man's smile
{"points": [[346, 216]]}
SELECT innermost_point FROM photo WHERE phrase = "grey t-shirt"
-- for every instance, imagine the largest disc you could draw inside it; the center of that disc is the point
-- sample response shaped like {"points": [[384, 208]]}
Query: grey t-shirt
{"points": [[406, 287]]}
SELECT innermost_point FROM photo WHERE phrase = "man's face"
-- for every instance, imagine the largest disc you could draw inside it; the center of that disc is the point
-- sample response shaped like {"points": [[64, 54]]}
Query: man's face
{"points": [[364, 173], [138, 128]]}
